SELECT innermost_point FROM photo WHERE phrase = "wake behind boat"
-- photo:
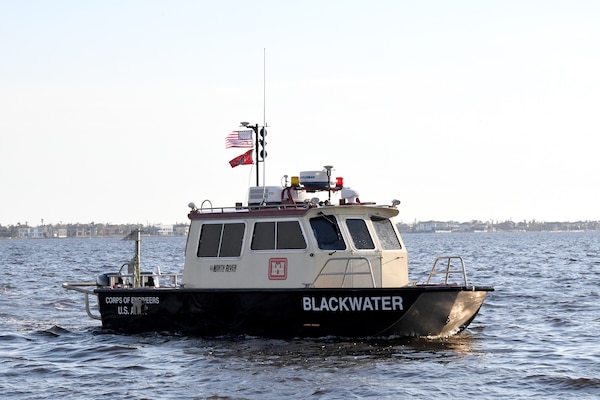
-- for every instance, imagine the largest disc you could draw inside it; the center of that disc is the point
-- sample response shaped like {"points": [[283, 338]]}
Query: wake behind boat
{"points": [[290, 264]]}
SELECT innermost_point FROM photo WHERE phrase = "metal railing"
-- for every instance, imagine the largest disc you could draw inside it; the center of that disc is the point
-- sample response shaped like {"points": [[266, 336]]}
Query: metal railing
{"points": [[83, 287], [346, 273], [449, 269], [120, 280], [250, 207], [147, 279]]}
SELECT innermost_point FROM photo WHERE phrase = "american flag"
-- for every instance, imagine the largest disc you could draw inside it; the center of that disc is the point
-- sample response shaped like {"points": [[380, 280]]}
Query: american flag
{"points": [[241, 139]]}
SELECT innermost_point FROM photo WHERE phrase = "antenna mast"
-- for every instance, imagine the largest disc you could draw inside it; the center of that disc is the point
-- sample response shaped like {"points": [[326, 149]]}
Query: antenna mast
{"points": [[264, 109], [264, 86], [260, 133]]}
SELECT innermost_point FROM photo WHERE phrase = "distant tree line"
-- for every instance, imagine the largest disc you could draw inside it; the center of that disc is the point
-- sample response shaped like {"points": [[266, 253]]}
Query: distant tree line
{"points": [[88, 230], [121, 230], [497, 226]]}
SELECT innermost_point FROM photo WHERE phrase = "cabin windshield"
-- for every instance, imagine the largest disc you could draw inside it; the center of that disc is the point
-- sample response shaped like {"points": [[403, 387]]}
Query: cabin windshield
{"points": [[327, 232], [386, 234], [360, 234]]}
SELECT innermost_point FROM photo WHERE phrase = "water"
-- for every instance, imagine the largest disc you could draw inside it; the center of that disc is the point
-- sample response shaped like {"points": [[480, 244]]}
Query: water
{"points": [[536, 336]]}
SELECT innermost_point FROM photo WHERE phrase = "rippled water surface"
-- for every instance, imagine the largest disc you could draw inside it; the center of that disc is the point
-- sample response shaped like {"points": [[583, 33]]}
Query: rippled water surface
{"points": [[536, 335]]}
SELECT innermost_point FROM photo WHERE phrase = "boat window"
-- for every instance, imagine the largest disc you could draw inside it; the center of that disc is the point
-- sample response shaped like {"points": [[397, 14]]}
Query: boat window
{"points": [[210, 237], [327, 232], [277, 235], [386, 234], [289, 235], [221, 240], [231, 244], [264, 236], [360, 234]]}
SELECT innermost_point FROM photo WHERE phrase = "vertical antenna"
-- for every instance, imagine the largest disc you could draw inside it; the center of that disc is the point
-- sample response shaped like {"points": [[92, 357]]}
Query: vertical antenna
{"points": [[264, 106], [264, 87]]}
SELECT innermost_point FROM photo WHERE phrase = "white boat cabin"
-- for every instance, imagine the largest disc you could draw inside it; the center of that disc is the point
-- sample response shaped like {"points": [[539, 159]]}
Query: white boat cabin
{"points": [[289, 242]]}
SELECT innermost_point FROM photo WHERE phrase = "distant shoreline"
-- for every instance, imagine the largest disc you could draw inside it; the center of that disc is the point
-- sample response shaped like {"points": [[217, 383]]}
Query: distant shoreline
{"points": [[60, 231]]}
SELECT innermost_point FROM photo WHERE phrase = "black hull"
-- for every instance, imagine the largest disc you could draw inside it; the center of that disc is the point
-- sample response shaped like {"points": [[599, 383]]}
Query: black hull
{"points": [[409, 311]]}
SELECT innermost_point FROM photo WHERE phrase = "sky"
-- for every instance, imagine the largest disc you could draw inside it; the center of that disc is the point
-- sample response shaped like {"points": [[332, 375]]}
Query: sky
{"points": [[117, 111]]}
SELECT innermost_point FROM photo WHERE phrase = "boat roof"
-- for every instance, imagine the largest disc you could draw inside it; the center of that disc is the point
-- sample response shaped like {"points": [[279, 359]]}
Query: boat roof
{"points": [[287, 211]]}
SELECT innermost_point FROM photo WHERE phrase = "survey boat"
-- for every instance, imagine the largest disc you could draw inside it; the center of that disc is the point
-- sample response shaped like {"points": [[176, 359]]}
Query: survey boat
{"points": [[303, 259]]}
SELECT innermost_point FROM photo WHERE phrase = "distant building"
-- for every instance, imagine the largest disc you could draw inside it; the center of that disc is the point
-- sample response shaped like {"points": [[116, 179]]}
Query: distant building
{"points": [[82, 230], [181, 229], [165, 230], [31, 233], [427, 226], [60, 233], [437, 226]]}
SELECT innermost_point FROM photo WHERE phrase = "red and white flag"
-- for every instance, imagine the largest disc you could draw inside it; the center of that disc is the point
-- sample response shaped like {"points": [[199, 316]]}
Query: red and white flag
{"points": [[243, 159]]}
